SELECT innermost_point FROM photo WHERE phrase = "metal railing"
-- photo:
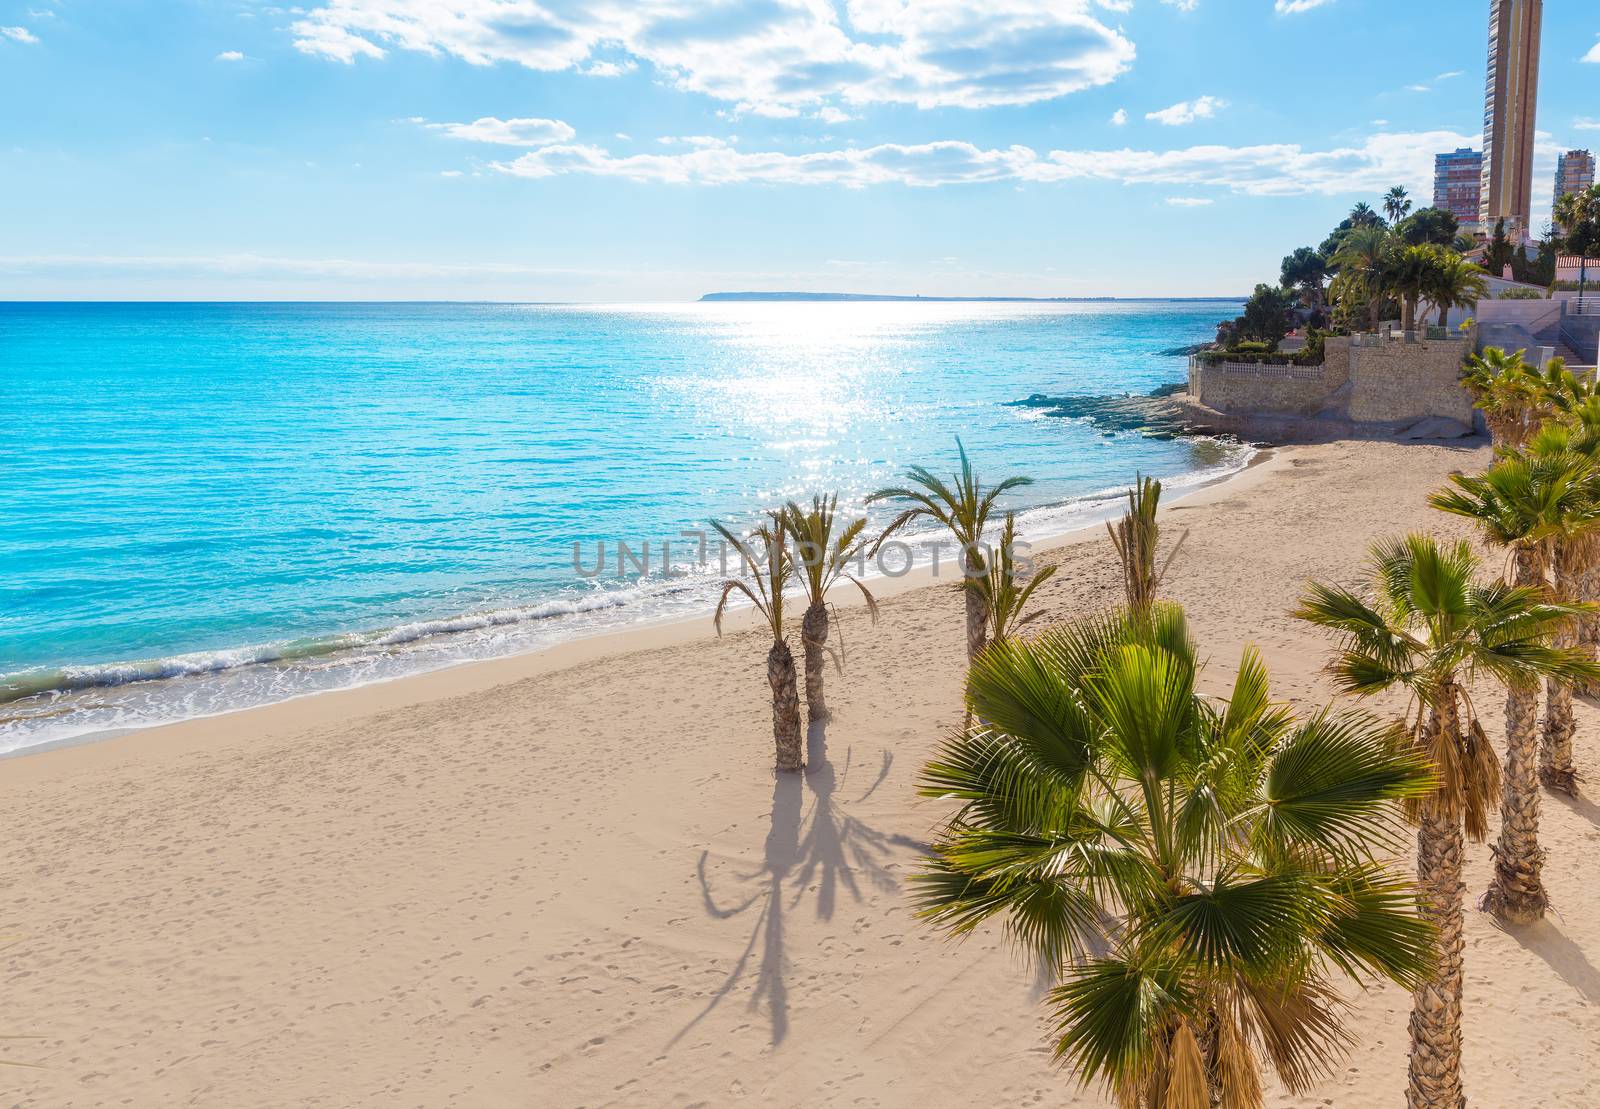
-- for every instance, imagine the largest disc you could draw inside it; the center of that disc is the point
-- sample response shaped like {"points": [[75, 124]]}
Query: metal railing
{"points": [[1584, 306]]}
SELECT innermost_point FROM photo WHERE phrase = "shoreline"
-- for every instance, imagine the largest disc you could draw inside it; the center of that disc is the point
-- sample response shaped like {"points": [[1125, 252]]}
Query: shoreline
{"points": [[573, 877], [644, 634]]}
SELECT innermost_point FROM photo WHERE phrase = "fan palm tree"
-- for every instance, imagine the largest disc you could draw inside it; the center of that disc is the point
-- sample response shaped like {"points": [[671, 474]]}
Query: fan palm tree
{"points": [[1197, 874], [1574, 555], [1523, 503], [766, 556], [1511, 395], [1431, 630], [1136, 536], [824, 548], [962, 506], [1455, 283], [1004, 597], [1396, 204]]}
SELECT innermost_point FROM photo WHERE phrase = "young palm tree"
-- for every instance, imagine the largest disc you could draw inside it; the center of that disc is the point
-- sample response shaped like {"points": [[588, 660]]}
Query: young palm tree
{"points": [[962, 506], [1197, 874], [1524, 503], [1509, 392], [824, 547], [766, 556], [1004, 597], [1432, 631], [1396, 204], [1136, 536]]}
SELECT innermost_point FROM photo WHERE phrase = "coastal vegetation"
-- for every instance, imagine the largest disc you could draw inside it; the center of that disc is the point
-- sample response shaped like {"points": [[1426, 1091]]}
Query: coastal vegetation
{"points": [[1369, 268], [961, 506], [1136, 537], [1198, 876], [766, 555], [1005, 595], [824, 549], [1430, 628]]}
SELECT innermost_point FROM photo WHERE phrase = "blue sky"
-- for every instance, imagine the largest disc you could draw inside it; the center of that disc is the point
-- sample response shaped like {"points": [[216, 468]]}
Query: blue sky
{"points": [[658, 149]]}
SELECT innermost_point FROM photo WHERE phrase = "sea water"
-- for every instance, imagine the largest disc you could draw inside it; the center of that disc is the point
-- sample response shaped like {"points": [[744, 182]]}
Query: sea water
{"points": [[210, 506]]}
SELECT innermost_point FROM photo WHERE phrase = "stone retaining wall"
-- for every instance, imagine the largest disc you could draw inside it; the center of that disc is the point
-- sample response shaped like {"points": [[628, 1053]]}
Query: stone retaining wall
{"points": [[1363, 380]]}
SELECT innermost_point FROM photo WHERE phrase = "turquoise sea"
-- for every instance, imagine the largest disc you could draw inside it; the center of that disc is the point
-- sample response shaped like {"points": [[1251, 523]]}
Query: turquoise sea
{"points": [[208, 506]]}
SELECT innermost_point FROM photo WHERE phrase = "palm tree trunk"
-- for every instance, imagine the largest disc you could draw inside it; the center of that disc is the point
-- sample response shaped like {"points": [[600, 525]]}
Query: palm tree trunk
{"points": [[1444, 313], [1589, 626], [1555, 752], [785, 707], [1408, 313], [814, 638], [1435, 1068], [977, 608], [1516, 893]]}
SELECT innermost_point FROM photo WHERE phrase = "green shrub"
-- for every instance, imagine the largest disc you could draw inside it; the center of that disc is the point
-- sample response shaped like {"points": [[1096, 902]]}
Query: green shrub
{"points": [[1250, 346], [1519, 294]]}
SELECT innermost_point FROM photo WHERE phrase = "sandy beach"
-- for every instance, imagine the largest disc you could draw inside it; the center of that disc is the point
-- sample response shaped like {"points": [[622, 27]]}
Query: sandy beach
{"points": [[571, 878]]}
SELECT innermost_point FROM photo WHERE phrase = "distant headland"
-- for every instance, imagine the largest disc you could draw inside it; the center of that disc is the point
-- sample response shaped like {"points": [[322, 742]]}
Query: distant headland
{"points": [[943, 300]]}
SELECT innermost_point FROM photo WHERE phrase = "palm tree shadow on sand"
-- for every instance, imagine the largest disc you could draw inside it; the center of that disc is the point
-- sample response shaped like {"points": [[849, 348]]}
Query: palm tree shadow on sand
{"points": [[820, 849]]}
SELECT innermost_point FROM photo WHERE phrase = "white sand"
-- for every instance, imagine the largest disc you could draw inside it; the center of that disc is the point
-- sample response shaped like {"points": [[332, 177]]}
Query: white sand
{"points": [[571, 879]]}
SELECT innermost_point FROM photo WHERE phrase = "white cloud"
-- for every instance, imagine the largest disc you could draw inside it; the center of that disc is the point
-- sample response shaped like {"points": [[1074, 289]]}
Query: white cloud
{"points": [[1183, 5], [450, 173], [230, 56], [702, 141], [19, 34], [1583, 124], [829, 114], [1284, 169], [1419, 88], [609, 69], [1594, 54], [506, 132], [1116, 5], [1447, 76], [1188, 201], [770, 58], [1187, 111], [1380, 123], [1119, 117], [1293, 7]]}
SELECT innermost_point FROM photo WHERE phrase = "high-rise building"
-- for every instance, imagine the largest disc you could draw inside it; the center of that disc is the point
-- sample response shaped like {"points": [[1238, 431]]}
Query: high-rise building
{"points": [[1457, 181], [1574, 172], [1511, 93]]}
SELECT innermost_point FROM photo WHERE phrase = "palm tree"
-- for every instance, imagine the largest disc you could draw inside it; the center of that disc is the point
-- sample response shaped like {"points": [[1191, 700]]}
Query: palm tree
{"points": [[1362, 215], [822, 558], [1432, 631], [766, 556], [1197, 875], [1396, 204], [1578, 215], [1004, 597], [962, 506], [1575, 552], [1362, 260], [1509, 392], [1136, 536], [1408, 272], [1455, 283], [1525, 502]]}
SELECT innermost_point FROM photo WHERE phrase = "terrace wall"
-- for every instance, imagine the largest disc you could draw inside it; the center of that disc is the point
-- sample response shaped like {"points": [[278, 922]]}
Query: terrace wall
{"points": [[1366, 380]]}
